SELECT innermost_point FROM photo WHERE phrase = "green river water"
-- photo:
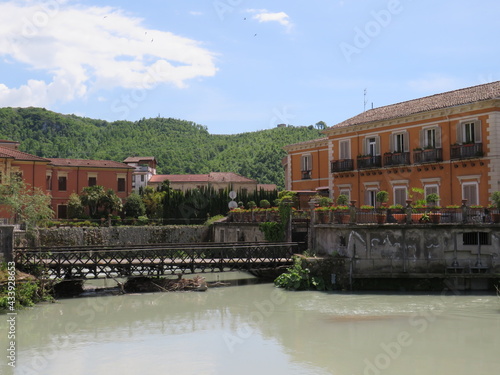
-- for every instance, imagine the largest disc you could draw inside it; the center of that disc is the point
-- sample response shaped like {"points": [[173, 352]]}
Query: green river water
{"points": [[258, 329]]}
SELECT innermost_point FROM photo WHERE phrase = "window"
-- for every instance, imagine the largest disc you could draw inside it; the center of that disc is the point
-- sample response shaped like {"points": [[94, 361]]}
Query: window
{"points": [[306, 164], [142, 178], [92, 181], [372, 146], [48, 182], [121, 184], [431, 189], [470, 192], [400, 194], [399, 142], [476, 238], [430, 137], [61, 183], [62, 211], [344, 150], [370, 197], [469, 132]]}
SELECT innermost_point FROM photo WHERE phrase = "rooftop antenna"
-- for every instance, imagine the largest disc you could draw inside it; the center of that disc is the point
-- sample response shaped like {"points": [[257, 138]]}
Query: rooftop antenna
{"points": [[364, 101]]}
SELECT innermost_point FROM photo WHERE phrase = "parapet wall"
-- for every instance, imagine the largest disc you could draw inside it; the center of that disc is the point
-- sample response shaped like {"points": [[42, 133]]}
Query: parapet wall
{"points": [[413, 248]]}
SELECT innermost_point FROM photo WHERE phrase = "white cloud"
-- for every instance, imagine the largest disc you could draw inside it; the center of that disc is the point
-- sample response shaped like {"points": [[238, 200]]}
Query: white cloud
{"points": [[263, 15], [84, 49]]}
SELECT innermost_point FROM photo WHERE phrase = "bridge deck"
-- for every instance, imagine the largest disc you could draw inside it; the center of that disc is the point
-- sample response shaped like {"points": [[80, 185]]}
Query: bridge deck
{"points": [[100, 261]]}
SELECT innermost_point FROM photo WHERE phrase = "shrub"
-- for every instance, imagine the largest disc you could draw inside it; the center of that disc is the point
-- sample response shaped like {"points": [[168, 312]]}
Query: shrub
{"points": [[264, 203]]}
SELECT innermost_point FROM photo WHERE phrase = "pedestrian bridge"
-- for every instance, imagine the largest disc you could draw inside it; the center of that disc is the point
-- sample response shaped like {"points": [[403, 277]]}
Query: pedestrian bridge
{"points": [[92, 262]]}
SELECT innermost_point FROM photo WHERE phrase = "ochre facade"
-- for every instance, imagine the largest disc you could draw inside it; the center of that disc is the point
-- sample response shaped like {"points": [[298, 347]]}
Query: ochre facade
{"points": [[448, 144]]}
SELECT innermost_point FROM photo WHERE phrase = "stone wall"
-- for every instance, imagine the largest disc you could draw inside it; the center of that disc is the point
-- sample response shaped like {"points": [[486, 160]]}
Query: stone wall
{"points": [[237, 232], [413, 248], [122, 235]]}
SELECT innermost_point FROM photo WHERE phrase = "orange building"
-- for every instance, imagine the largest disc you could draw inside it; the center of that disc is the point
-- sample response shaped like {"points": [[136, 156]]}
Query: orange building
{"points": [[67, 176], [448, 144], [62, 177]]}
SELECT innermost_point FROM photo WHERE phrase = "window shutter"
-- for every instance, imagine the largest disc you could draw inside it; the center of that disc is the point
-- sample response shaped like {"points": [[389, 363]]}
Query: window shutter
{"points": [[423, 133], [477, 132], [400, 196], [470, 193], [438, 137], [377, 145], [344, 149], [406, 142], [392, 142], [460, 130]]}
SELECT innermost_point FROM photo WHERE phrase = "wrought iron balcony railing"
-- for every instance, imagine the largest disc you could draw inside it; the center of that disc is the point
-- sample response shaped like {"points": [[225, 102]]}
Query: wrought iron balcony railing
{"points": [[342, 165], [396, 158], [431, 155], [466, 151], [306, 175], [366, 162]]}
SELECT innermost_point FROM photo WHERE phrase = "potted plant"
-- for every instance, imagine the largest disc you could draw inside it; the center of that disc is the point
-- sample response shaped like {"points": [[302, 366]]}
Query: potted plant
{"points": [[495, 197], [382, 197], [432, 200]]}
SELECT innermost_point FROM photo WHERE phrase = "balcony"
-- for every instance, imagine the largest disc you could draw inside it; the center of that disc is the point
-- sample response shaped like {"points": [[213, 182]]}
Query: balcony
{"points": [[367, 162], [306, 175], [396, 158], [466, 151], [430, 155], [342, 165]]}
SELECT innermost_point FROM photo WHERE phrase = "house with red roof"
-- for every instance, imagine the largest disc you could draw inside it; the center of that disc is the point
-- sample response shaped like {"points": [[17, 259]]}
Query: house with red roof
{"points": [[447, 144], [217, 180], [62, 177]]}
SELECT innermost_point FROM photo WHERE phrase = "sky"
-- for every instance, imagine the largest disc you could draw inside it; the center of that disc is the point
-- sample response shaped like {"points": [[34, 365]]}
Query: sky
{"points": [[239, 66]]}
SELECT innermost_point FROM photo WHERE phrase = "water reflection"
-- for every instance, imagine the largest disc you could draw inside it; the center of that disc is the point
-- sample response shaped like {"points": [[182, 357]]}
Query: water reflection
{"points": [[258, 328]]}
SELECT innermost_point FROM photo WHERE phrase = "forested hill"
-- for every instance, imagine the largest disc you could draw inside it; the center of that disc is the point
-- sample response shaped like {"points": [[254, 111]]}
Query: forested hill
{"points": [[179, 146]]}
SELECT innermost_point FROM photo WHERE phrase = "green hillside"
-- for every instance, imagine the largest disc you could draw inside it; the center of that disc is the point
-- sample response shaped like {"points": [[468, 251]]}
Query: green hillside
{"points": [[179, 146]]}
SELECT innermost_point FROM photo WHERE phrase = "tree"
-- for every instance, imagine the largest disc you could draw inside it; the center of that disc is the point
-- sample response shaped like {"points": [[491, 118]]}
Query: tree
{"points": [[111, 202], [25, 203], [95, 197], [321, 125], [75, 206], [134, 206], [92, 197]]}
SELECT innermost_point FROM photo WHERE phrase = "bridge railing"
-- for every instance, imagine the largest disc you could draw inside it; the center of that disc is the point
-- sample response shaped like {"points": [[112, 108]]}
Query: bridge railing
{"points": [[100, 261]]}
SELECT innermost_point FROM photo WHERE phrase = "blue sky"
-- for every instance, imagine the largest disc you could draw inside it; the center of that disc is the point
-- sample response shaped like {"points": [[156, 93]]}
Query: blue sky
{"points": [[237, 66]]}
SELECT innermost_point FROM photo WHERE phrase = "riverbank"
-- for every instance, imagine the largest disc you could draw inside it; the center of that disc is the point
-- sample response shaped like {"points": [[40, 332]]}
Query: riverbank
{"points": [[19, 289]]}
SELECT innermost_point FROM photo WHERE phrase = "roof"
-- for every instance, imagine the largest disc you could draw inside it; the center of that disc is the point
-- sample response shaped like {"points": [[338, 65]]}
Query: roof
{"points": [[7, 152], [212, 177], [88, 163], [448, 99], [179, 178], [267, 187], [137, 159]]}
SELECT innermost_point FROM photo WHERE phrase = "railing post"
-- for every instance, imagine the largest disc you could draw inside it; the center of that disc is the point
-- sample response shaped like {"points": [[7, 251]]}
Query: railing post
{"points": [[464, 211], [408, 211], [352, 212], [6, 243]]}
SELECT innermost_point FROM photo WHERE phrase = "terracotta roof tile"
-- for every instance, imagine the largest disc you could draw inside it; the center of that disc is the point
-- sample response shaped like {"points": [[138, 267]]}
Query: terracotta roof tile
{"points": [[205, 178], [136, 159], [7, 152], [444, 100], [88, 163], [179, 178]]}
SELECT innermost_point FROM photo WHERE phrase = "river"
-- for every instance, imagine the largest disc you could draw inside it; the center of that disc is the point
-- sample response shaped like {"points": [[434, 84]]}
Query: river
{"points": [[259, 329]]}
